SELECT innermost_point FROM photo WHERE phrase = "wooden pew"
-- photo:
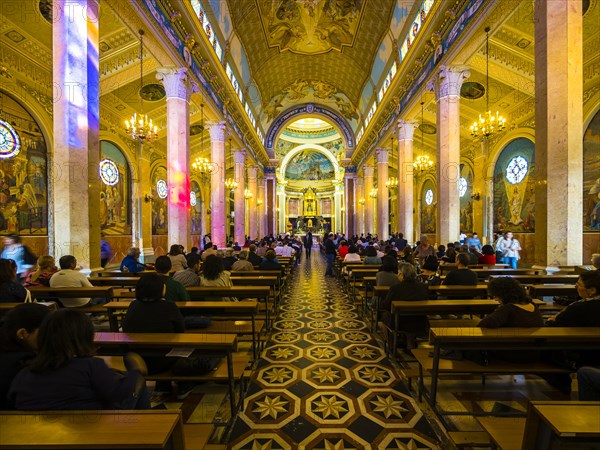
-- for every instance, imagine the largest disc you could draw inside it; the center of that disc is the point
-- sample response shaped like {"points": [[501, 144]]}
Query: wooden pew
{"points": [[7, 306], [219, 343], [92, 429], [118, 273], [261, 280], [542, 279], [246, 309], [549, 290], [464, 291], [432, 307], [105, 292], [568, 424], [127, 281], [549, 338]]}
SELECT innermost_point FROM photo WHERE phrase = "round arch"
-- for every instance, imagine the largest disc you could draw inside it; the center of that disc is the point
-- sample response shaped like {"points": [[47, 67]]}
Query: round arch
{"points": [[318, 148], [494, 154], [309, 109]]}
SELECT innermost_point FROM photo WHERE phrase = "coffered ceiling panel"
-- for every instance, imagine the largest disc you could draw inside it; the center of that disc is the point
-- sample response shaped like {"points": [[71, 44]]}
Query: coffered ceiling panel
{"points": [[310, 50]]}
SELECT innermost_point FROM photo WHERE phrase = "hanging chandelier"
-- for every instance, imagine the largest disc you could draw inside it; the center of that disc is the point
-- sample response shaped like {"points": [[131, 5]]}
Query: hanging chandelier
{"points": [[423, 162], [202, 165], [140, 126], [489, 123], [392, 182]]}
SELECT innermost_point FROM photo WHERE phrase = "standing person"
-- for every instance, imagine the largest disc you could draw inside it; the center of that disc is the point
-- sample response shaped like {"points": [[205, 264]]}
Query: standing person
{"points": [[498, 247], [308, 243], [65, 375], [329, 255], [20, 254], [106, 253], [474, 240], [510, 250], [206, 241], [424, 249]]}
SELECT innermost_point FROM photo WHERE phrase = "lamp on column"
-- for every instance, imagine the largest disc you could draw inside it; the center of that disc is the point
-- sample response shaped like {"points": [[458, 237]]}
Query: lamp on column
{"points": [[392, 182], [373, 193], [423, 162], [140, 126], [488, 123], [259, 202], [247, 194], [361, 201], [231, 184]]}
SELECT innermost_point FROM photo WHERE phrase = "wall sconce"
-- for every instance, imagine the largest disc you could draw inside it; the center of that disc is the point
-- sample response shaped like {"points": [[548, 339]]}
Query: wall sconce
{"points": [[476, 196], [361, 202], [259, 202], [231, 184], [247, 194], [148, 198], [373, 193]]}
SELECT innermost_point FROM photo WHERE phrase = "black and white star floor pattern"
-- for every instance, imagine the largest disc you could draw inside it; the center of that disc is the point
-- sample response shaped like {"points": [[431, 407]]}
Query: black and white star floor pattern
{"points": [[323, 382]]}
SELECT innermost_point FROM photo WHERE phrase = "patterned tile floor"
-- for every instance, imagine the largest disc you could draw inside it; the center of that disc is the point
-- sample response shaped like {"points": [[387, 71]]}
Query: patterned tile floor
{"points": [[323, 382]]}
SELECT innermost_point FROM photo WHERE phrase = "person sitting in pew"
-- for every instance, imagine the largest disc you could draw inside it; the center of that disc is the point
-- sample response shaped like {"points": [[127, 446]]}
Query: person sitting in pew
{"points": [[388, 273], [70, 276], [270, 262], [130, 263], [176, 292], [408, 289], [243, 263], [588, 383], [488, 255], [46, 267], [65, 375], [10, 289], [462, 275], [18, 342], [352, 254], [229, 260], [516, 310], [214, 274], [188, 277]]}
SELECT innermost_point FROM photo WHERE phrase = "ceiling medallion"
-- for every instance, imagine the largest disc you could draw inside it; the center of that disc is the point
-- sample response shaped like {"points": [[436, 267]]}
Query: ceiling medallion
{"points": [[196, 129], [152, 92], [45, 7], [472, 90], [428, 128]]}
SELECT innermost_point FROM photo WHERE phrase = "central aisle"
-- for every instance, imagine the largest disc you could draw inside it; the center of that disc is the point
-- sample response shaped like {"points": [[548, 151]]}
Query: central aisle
{"points": [[323, 382]]}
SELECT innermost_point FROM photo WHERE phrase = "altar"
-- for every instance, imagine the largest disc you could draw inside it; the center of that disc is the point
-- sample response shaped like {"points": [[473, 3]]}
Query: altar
{"points": [[314, 224]]}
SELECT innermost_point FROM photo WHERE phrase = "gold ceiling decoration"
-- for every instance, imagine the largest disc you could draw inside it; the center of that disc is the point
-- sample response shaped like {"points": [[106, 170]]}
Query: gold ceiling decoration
{"points": [[310, 27], [286, 69]]}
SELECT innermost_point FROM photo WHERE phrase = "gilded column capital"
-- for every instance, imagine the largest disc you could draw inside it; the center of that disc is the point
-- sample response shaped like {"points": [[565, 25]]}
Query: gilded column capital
{"points": [[406, 129], [448, 81], [176, 82], [217, 130]]}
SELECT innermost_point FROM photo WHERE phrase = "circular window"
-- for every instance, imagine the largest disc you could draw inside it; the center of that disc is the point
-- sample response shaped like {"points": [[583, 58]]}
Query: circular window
{"points": [[429, 197], [109, 172], [192, 198], [10, 144], [161, 188], [463, 184], [516, 170]]}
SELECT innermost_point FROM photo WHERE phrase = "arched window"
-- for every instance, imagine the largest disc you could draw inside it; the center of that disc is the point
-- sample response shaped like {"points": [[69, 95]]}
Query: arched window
{"points": [[514, 187], [160, 192], [115, 191], [23, 172], [428, 207], [196, 207], [591, 176], [465, 190]]}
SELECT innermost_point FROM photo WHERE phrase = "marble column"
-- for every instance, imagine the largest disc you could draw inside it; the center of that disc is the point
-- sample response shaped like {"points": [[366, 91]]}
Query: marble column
{"points": [[558, 133], [281, 207], [338, 197], [178, 87], [142, 206], [217, 184], [252, 210], [481, 186], [359, 205], [406, 130], [260, 203], [351, 211], [369, 202], [383, 213], [270, 204], [447, 84], [239, 203], [75, 202]]}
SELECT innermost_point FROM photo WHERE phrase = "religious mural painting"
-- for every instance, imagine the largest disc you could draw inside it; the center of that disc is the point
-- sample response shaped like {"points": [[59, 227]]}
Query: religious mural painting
{"points": [[514, 188], [465, 190], [428, 208], [115, 191], [591, 175], [160, 191], [23, 168], [310, 165]]}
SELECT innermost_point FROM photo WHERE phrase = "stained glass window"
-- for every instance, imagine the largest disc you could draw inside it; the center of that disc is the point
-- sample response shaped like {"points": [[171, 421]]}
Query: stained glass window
{"points": [[10, 144], [109, 172], [463, 184], [429, 197], [161, 188], [516, 170]]}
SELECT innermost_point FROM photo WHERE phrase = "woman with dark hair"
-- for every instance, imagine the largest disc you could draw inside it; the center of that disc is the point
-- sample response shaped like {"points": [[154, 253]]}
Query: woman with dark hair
{"points": [[18, 342], [178, 261], [516, 308], [371, 256], [352, 254], [388, 273], [214, 274], [10, 289], [441, 251], [450, 256], [270, 262], [408, 255], [488, 255], [65, 375]]}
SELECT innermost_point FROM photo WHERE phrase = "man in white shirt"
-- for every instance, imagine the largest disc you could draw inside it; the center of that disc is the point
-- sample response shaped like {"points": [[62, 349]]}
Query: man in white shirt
{"points": [[286, 250], [68, 276]]}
